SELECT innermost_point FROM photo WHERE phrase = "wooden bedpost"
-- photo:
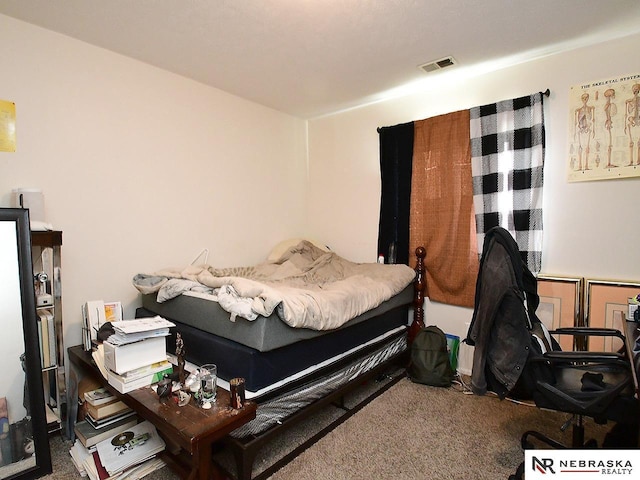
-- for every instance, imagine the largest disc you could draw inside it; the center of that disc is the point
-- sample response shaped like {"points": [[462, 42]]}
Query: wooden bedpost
{"points": [[418, 298]]}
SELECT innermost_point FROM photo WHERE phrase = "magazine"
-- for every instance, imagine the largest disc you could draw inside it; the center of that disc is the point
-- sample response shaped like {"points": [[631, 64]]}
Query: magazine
{"points": [[130, 331], [130, 447], [148, 324], [99, 396]]}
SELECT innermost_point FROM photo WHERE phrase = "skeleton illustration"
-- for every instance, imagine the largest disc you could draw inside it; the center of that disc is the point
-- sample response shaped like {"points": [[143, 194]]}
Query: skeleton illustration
{"points": [[610, 110], [632, 122], [584, 130]]}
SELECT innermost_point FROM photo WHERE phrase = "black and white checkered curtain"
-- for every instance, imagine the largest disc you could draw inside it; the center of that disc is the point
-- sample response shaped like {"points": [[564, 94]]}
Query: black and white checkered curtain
{"points": [[507, 158]]}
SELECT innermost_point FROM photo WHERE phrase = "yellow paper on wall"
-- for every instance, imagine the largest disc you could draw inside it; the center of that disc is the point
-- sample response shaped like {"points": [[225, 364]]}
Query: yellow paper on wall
{"points": [[7, 126]]}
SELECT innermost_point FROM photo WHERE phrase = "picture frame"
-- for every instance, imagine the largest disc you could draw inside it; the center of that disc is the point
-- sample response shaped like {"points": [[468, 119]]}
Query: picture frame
{"points": [[606, 306], [561, 306]]}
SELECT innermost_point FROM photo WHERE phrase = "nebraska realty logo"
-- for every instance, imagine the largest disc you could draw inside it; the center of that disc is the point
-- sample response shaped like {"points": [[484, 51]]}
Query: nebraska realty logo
{"points": [[580, 464]]}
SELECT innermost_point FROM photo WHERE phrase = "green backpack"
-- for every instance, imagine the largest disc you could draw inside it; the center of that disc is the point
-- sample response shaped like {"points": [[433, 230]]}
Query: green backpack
{"points": [[429, 358]]}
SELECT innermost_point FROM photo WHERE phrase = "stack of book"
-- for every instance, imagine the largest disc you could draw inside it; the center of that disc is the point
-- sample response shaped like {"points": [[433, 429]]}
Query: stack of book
{"points": [[139, 377], [136, 354], [104, 415], [130, 453], [89, 435]]}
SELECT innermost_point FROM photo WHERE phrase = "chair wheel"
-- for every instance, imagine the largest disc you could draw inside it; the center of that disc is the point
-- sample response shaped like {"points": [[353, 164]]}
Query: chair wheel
{"points": [[519, 475]]}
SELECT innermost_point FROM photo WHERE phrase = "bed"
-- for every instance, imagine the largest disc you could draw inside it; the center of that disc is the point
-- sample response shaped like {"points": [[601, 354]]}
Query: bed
{"points": [[300, 328]]}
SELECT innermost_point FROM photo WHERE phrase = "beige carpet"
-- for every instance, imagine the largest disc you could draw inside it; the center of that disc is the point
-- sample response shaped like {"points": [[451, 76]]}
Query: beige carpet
{"points": [[410, 432], [419, 432]]}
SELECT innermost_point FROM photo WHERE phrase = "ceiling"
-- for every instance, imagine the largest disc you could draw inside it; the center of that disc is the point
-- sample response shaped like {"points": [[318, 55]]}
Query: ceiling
{"points": [[313, 57]]}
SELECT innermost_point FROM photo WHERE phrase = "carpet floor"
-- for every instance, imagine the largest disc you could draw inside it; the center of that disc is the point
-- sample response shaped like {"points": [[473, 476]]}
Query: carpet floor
{"points": [[410, 432]]}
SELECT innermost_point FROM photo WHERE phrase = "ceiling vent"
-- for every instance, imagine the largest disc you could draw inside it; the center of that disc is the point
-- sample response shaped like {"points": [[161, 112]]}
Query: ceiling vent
{"points": [[438, 64]]}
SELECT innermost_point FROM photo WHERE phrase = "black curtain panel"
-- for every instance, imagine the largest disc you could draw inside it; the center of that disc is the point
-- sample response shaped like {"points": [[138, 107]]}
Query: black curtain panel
{"points": [[396, 154]]}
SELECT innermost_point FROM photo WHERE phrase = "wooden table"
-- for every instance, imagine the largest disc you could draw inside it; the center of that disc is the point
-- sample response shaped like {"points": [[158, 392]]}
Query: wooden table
{"points": [[188, 431]]}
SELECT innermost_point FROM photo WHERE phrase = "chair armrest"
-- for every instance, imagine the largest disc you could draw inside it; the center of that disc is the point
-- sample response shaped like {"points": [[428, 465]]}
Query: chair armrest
{"points": [[577, 358], [601, 332], [584, 357]]}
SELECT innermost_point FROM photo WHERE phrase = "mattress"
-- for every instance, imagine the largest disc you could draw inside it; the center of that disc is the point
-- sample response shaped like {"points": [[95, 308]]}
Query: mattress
{"points": [[266, 372], [264, 333]]}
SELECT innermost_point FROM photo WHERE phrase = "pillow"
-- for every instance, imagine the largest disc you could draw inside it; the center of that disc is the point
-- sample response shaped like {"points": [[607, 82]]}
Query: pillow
{"points": [[285, 245]]}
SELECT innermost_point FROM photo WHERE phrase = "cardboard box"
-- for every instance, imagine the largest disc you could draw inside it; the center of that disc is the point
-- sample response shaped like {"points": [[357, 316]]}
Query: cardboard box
{"points": [[122, 358]]}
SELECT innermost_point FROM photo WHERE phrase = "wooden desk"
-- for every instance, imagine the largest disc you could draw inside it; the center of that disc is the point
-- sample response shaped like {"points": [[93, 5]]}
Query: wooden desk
{"points": [[189, 431]]}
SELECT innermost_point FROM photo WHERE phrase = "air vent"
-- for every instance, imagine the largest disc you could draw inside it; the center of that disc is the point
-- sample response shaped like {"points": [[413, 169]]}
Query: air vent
{"points": [[438, 64]]}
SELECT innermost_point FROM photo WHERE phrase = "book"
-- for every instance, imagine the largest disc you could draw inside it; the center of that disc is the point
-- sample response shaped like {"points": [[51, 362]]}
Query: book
{"points": [[105, 422], [131, 447], [52, 339], [39, 323], [106, 410], [98, 358], [126, 387], [43, 339], [79, 454], [89, 435], [93, 468], [99, 396], [47, 340], [155, 367], [101, 471]]}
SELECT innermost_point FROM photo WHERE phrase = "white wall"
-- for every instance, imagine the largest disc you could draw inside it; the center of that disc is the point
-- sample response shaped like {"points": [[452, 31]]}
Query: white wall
{"points": [[142, 169], [591, 229]]}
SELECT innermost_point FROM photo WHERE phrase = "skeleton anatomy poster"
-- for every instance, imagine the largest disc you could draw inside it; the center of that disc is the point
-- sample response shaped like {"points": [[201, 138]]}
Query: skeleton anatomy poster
{"points": [[604, 134]]}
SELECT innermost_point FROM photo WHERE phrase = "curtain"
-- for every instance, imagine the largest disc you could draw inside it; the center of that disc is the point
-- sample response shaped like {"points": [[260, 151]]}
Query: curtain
{"points": [[442, 218], [396, 152], [458, 181], [507, 157]]}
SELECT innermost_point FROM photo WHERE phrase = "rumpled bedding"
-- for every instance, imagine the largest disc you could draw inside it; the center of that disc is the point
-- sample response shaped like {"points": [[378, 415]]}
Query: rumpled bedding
{"points": [[307, 287]]}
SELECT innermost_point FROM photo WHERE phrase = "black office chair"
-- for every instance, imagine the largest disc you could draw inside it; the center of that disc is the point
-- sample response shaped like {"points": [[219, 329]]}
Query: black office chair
{"points": [[516, 356], [598, 385]]}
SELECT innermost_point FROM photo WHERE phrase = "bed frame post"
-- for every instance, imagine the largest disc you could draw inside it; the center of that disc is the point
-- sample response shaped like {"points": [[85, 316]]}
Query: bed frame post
{"points": [[418, 298]]}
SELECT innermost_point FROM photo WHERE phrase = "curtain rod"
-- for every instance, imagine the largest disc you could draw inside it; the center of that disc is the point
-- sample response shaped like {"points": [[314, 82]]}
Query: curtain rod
{"points": [[546, 93]]}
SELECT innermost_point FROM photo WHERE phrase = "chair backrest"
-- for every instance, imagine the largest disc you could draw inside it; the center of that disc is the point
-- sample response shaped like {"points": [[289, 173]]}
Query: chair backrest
{"points": [[541, 339], [504, 315], [541, 343]]}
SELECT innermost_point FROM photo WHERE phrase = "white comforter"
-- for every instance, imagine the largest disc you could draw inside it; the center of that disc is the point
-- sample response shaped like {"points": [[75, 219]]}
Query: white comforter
{"points": [[307, 287]]}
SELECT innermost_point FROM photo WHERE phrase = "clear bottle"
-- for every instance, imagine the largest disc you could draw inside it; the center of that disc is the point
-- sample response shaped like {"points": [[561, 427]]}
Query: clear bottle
{"points": [[391, 258]]}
